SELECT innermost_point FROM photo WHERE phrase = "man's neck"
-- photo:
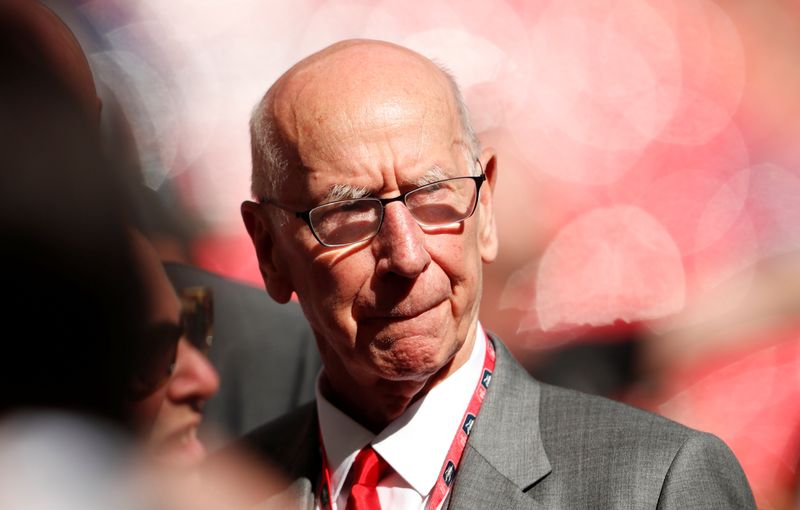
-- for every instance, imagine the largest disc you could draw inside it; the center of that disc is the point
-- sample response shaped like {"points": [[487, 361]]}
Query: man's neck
{"points": [[377, 404]]}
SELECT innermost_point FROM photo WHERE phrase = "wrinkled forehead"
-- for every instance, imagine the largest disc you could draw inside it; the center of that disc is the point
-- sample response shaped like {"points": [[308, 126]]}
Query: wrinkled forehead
{"points": [[364, 110]]}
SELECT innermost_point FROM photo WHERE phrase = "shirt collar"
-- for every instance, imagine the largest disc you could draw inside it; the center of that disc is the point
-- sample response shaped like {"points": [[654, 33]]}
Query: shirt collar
{"points": [[416, 443]]}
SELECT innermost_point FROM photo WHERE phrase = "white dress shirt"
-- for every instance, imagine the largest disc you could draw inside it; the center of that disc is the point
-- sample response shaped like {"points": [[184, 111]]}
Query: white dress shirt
{"points": [[415, 444]]}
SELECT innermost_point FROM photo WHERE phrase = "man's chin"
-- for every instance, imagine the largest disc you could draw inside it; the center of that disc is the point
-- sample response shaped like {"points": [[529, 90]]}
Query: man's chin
{"points": [[413, 357]]}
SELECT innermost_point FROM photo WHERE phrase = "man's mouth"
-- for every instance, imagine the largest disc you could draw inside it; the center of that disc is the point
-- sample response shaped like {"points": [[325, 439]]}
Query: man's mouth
{"points": [[402, 311]]}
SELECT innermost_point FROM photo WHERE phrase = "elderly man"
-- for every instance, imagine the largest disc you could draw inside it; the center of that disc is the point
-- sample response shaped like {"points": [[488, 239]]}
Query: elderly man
{"points": [[374, 205]]}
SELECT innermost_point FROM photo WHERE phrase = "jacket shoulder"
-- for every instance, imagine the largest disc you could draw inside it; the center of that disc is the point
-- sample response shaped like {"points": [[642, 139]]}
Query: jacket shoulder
{"points": [[587, 432], [653, 461], [580, 416]]}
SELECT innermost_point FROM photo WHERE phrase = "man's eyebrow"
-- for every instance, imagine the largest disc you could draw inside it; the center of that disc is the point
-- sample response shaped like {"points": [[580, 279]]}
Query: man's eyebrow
{"points": [[350, 192], [436, 173], [345, 192]]}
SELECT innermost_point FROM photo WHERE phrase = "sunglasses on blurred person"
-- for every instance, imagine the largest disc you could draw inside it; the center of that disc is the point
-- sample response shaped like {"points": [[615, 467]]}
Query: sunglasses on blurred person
{"points": [[158, 353]]}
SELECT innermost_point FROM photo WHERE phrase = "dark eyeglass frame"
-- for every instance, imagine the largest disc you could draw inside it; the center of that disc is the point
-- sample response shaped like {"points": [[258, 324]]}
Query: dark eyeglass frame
{"points": [[306, 215]]}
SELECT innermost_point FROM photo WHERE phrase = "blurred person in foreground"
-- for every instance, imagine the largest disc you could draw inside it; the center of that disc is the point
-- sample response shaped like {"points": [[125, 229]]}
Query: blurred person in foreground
{"points": [[74, 307], [94, 293], [374, 205], [180, 378], [92, 323], [103, 323], [175, 381], [264, 353]]}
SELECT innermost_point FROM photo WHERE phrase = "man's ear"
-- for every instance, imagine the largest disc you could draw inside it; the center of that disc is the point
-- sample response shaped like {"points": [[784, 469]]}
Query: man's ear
{"points": [[487, 234], [276, 279]]}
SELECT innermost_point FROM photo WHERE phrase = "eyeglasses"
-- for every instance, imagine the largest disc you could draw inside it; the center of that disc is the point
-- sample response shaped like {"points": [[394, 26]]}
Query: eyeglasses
{"points": [[155, 360], [197, 317], [346, 222]]}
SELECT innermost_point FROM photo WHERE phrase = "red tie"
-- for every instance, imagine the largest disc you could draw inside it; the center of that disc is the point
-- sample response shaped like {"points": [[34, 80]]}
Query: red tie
{"points": [[368, 469]]}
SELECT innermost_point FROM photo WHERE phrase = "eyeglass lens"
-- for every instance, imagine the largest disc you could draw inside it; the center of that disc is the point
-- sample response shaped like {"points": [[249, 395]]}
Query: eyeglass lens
{"points": [[434, 205], [155, 358]]}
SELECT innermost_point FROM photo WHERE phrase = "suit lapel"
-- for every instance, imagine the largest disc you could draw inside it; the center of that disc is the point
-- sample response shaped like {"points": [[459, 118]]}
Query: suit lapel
{"points": [[504, 455], [294, 446]]}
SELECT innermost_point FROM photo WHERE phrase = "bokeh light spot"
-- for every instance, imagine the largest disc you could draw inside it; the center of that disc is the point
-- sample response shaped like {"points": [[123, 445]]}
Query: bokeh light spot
{"points": [[615, 263]]}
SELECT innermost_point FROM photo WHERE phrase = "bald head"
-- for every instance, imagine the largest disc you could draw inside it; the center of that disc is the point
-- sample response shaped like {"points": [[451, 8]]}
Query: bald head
{"points": [[340, 93]]}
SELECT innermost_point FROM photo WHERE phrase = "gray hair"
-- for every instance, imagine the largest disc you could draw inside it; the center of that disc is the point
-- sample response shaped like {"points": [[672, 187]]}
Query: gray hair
{"points": [[473, 145], [269, 151]]}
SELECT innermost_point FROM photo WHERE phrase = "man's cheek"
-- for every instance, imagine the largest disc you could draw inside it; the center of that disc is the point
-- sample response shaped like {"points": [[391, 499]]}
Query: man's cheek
{"points": [[332, 289], [456, 260]]}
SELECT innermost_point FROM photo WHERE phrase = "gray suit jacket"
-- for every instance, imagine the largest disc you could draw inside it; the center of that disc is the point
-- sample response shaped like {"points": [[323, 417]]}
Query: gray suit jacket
{"points": [[536, 446]]}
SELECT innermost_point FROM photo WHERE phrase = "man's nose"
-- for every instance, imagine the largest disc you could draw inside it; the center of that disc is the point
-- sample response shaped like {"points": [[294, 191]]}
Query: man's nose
{"points": [[194, 377], [400, 246]]}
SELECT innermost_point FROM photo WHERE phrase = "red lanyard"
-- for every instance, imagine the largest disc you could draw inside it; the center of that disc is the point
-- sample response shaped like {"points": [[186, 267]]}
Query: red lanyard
{"points": [[454, 454]]}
